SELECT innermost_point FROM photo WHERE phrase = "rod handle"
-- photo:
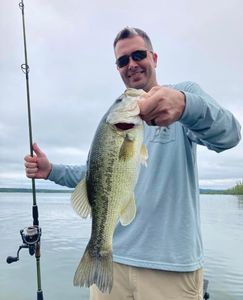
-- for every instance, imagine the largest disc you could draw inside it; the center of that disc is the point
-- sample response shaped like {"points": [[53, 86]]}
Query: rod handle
{"points": [[39, 295]]}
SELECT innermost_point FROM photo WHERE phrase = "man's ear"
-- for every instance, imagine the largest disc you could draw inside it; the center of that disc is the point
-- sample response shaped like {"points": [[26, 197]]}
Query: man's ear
{"points": [[155, 59]]}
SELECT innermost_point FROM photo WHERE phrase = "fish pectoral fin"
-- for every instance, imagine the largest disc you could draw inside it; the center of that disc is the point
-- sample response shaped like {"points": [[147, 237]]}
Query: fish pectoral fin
{"points": [[144, 155], [79, 200], [128, 212], [127, 149]]}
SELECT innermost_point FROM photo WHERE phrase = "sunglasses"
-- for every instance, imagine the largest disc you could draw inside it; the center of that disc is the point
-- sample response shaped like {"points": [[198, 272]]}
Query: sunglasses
{"points": [[136, 56]]}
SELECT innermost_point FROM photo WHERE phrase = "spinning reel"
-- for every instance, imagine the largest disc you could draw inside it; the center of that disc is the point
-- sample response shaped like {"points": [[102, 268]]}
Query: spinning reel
{"points": [[31, 238]]}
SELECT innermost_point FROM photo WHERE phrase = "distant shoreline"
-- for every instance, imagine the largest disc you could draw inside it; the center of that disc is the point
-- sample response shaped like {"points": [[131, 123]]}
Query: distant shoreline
{"points": [[27, 190], [232, 191]]}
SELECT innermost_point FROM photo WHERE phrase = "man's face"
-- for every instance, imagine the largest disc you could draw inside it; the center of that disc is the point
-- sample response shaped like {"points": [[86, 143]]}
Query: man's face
{"points": [[137, 74]]}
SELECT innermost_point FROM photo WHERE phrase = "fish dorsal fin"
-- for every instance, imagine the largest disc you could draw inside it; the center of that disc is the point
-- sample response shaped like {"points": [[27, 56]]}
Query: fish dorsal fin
{"points": [[128, 212], [144, 155], [79, 200]]}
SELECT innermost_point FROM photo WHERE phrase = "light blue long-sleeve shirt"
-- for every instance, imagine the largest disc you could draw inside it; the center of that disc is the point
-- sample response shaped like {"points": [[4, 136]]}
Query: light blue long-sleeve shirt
{"points": [[166, 232]]}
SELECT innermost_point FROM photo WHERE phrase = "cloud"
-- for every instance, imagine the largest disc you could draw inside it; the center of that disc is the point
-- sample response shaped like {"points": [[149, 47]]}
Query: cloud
{"points": [[73, 78]]}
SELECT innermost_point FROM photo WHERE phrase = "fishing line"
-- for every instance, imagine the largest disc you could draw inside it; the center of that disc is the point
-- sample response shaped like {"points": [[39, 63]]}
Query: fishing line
{"points": [[30, 235]]}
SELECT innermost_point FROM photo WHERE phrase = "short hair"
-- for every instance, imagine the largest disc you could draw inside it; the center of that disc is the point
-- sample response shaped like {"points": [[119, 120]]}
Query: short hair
{"points": [[129, 32]]}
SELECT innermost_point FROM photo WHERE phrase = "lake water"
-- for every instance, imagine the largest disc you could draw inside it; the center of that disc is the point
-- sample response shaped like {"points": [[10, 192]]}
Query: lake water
{"points": [[65, 235]]}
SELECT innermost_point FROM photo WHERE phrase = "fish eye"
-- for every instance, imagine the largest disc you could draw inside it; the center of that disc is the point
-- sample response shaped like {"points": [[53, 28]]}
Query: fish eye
{"points": [[119, 99]]}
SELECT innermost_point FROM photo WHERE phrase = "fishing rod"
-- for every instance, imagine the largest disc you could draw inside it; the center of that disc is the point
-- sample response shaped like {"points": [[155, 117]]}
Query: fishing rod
{"points": [[31, 235]]}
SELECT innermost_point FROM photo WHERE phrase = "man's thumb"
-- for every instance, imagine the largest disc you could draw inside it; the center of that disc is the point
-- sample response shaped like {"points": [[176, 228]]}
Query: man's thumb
{"points": [[37, 150]]}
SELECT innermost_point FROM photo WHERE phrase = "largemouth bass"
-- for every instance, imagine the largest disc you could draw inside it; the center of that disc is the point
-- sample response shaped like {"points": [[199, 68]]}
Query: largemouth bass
{"points": [[107, 191]]}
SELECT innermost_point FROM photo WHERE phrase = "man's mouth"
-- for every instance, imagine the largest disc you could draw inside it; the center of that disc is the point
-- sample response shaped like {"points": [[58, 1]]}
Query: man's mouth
{"points": [[132, 74]]}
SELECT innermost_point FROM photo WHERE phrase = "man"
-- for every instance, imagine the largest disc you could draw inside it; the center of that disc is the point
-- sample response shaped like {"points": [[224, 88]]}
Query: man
{"points": [[160, 254]]}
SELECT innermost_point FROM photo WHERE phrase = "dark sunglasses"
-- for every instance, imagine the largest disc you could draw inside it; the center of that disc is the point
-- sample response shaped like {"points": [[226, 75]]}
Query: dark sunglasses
{"points": [[136, 56]]}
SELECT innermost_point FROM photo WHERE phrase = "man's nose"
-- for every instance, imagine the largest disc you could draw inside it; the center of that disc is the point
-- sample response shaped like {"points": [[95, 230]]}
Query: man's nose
{"points": [[132, 63]]}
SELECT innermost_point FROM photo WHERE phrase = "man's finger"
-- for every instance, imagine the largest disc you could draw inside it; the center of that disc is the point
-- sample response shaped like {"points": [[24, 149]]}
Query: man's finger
{"points": [[37, 150], [30, 159], [30, 165], [147, 106], [31, 173]]}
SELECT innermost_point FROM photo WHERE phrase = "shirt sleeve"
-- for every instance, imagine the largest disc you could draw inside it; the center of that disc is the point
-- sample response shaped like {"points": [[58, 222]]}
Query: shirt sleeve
{"points": [[67, 175], [206, 122]]}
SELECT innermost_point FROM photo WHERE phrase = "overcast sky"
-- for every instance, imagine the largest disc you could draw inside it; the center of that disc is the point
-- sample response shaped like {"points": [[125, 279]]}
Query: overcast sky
{"points": [[73, 78]]}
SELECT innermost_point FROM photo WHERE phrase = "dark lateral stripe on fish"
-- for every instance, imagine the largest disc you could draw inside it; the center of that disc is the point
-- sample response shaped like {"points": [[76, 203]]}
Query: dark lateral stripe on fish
{"points": [[92, 181]]}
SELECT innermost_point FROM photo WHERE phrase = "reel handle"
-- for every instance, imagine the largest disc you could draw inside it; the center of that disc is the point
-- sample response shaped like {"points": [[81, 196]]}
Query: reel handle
{"points": [[11, 259]]}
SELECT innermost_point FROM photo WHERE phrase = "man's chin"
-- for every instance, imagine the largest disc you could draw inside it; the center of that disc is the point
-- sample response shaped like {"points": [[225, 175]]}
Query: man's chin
{"points": [[138, 84]]}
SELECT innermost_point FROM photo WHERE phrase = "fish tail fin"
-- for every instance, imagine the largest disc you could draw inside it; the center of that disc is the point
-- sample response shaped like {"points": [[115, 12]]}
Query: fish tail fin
{"points": [[95, 270]]}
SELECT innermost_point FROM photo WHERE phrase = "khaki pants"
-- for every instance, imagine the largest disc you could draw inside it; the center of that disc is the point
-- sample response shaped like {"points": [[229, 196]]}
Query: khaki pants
{"points": [[147, 284]]}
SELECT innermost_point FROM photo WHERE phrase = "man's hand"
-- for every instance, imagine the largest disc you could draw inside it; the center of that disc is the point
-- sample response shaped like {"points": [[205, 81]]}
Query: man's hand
{"points": [[162, 106], [37, 166]]}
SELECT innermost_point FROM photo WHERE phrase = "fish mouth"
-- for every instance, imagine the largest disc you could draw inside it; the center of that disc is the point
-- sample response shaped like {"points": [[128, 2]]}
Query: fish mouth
{"points": [[124, 126]]}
